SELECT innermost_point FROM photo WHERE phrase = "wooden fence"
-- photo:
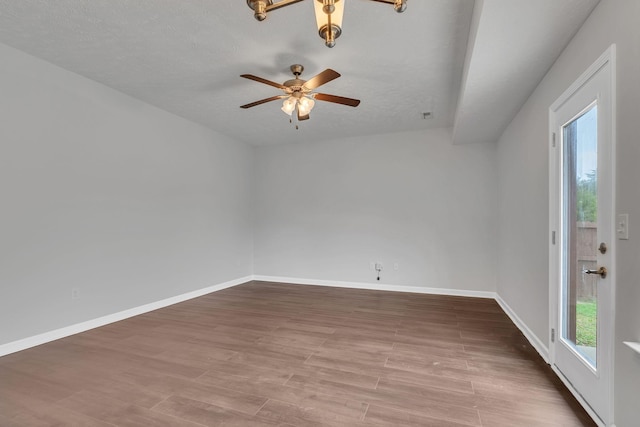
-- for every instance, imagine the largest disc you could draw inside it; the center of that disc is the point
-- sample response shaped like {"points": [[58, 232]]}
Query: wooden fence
{"points": [[587, 246]]}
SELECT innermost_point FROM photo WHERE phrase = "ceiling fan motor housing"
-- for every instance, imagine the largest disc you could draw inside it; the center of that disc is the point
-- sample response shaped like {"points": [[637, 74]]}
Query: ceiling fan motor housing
{"points": [[296, 85]]}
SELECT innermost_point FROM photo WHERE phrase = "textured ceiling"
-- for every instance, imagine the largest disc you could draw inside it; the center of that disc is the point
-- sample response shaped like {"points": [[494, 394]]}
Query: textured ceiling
{"points": [[186, 57]]}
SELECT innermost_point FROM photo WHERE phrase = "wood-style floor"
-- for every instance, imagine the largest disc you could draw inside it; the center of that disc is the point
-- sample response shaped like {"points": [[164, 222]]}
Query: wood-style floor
{"points": [[264, 354]]}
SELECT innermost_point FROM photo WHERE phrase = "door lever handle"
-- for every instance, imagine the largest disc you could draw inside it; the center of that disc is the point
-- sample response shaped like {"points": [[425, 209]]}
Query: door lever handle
{"points": [[602, 271]]}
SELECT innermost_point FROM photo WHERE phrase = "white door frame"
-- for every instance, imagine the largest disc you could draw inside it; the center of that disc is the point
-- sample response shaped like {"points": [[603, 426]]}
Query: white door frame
{"points": [[555, 196]]}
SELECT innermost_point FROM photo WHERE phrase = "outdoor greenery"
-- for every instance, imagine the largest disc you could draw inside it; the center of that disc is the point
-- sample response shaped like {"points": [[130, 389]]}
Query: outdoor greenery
{"points": [[587, 311], [586, 323], [587, 199]]}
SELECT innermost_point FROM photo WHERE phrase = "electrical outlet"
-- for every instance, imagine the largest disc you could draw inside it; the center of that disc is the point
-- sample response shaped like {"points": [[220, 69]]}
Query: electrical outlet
{"points": [[75, 293], [372, 265], [378, 266]]}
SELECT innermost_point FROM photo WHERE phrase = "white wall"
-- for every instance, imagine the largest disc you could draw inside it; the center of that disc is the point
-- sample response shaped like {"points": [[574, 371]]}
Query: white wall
{"points": [[106, 194], [523, 193], [324, 211]]}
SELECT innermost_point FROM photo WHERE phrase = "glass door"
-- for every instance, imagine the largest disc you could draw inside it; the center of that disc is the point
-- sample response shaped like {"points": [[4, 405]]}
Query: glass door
{"points": [[579, 312], [581, 205]]}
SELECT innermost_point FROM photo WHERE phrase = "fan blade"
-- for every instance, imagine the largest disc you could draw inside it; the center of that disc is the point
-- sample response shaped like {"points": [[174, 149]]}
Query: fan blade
{"points": [[263, 101], [324, 77], [301, 118], [337, 99], [265, 81]]}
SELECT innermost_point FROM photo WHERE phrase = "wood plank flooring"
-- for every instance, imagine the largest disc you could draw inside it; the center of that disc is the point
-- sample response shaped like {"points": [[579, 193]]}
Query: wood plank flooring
{"points": [[265, 354]]}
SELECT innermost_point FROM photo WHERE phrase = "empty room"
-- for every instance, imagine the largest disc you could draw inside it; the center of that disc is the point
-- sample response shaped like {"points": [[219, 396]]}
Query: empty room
{"points": [[319, 213]]}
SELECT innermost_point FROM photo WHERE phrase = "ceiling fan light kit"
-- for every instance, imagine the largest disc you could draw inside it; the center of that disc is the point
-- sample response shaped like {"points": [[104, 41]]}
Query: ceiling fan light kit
{"points": [[329, 14]]}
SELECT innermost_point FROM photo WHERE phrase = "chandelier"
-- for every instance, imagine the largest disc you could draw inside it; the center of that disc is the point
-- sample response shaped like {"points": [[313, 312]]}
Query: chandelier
{"points": [[329, 14]]}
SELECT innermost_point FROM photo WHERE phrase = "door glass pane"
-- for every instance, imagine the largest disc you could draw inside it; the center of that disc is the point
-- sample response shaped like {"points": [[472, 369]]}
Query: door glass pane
{"points": [[580, 215]]}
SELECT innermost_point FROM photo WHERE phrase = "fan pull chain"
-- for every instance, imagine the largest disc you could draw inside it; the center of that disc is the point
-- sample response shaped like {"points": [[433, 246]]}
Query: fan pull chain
{"points": [[295, 112]]}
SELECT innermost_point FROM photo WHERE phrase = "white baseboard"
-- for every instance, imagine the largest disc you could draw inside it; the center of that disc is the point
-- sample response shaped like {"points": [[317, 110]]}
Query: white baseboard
{"points": [[579, 397], [543, 350], [43, 338], [377, 287], [540, 347], [46, 337]]}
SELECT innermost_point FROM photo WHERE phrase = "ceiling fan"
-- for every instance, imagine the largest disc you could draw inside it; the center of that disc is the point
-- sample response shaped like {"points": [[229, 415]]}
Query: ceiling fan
{"points": [[298, 94]]}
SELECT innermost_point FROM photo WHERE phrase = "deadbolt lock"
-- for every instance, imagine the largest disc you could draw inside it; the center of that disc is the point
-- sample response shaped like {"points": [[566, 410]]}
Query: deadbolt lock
{"points": [[603, 248]]}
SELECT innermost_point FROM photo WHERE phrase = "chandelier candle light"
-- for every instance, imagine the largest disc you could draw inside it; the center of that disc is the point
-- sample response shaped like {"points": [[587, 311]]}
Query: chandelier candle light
{"points": [[329, 14]]}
